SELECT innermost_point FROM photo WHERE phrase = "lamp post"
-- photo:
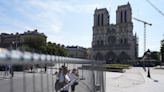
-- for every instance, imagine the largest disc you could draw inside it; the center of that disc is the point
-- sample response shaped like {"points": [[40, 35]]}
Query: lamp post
{"points": [[148, 56], [12, 45], [148, 73]]}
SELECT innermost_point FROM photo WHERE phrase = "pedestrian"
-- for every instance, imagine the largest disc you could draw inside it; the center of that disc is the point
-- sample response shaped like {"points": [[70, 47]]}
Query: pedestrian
{"points": [[66, 80], [11, 70], [31, 68], [59, 79], [74, 77], [36, 67], [45, 68], [6, 70]]}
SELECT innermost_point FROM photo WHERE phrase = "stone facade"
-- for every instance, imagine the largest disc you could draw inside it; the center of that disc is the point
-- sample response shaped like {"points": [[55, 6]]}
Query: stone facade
{"points": [[12, 41], [114, 43], [77, 52]]}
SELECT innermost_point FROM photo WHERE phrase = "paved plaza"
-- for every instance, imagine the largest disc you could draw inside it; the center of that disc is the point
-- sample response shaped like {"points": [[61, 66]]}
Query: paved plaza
{"points": [[135, 80], [39, 82]]}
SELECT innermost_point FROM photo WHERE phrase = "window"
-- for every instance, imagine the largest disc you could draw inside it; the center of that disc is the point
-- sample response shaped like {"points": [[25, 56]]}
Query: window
{"points": [[111, 40], [125, 41], [121, 41], [98, 43], [121, 17], [98, 22], [102, 43], [125, 17], [102, 18]]}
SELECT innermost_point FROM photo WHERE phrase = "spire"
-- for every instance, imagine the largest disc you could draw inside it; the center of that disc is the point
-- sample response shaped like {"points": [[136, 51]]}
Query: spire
{"points": [[128, 4]]}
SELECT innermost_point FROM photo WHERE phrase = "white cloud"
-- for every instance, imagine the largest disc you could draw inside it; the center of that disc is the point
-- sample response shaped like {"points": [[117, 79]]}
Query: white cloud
{"points": [[63, 7], [46, 16], [14, 23], [51, 11]]}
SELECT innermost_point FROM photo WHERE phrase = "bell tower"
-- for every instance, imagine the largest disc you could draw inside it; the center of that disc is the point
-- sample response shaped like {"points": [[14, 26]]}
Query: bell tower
{"points": [[101, 17], [124, 14]]}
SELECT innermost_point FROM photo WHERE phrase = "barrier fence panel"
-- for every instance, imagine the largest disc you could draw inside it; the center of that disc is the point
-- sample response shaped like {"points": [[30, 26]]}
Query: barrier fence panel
{"points": [[32, 72]]}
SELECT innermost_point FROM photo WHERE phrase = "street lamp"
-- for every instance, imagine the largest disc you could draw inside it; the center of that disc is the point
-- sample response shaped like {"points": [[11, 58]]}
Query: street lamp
{"points": [[12, 45], [149, 57]]}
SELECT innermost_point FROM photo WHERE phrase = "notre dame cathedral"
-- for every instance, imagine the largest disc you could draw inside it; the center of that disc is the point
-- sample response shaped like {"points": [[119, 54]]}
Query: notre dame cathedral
{"points": [[114, 43]]}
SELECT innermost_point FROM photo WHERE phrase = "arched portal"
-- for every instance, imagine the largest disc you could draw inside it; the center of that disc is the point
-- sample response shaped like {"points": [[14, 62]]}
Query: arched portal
{"points": [[111, 57], [123, 57], [99, 56]]}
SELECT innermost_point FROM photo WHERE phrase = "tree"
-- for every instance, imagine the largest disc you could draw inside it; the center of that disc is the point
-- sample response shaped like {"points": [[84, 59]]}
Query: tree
{"points": [[54, 49], [162, 50], [162, 43], [34, 42], [155, 55], [25, 48], [38, 44]]}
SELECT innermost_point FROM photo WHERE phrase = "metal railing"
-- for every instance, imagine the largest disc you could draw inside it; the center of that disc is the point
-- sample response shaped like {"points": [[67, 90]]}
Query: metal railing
{"points": [[34, 77]]}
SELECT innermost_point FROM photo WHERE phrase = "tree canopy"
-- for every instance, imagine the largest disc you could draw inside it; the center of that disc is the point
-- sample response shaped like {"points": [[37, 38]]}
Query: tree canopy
{"points": [[37, 44], [162, 50], [34, 42], [162, 43]]}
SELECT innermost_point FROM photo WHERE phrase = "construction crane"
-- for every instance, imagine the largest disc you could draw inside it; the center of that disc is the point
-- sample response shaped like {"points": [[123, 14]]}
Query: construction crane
{"points": [[145, 23]]}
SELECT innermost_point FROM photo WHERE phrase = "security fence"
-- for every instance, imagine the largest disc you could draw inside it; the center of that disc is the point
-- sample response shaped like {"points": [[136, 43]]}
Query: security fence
{"points": [[33, 72]]}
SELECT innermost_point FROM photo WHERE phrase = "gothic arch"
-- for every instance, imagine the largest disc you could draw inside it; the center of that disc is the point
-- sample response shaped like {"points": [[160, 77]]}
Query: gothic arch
{"points": [[99, 56], [124, 56], [110, 55], [111, 31], [111, 40]]}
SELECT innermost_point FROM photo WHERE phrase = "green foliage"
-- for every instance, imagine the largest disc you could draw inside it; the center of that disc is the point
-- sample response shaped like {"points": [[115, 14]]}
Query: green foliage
{"points": [[116, 66], [155, 55], [162, 49], [38, 44], [53, 49], [162, 43], [25, 47], [34, 42]]}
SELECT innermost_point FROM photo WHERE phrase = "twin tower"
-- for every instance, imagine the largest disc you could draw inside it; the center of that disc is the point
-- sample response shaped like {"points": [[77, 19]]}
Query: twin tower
{"points": [[114, 43]]}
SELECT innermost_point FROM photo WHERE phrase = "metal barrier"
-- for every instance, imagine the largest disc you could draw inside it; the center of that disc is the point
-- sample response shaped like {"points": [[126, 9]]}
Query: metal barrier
{"points": [[36, 72]]}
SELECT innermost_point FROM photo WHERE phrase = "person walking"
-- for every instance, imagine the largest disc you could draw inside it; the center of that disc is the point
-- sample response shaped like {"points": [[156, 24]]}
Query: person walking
{"points": [[31, 68], [11, 70], [66, 80], [73, 77], [59, 79], [45, 68], [6, 71]]}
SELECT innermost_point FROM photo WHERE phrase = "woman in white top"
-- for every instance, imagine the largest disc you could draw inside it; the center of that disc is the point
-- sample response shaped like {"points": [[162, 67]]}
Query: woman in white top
{"points": [[73, 77], [66, 80]]}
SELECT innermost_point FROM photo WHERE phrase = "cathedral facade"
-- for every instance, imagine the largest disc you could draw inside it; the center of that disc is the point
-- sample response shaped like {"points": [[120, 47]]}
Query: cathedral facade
{"points": [[114, 43]]}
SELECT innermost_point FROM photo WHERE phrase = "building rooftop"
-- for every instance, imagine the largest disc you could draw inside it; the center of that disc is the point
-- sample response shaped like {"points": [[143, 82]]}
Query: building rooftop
{"points": [[25, 33], [124, 6]]}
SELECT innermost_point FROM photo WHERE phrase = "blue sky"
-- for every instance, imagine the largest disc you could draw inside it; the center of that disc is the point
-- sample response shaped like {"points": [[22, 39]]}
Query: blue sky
{"points": [[70, 22]]}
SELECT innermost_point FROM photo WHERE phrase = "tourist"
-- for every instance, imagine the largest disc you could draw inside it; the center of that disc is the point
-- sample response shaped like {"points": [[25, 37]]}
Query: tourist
{"points": [[45, 68], [74, 77], [66, 80], [6, 70], [11, 70], [59, 79]]}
